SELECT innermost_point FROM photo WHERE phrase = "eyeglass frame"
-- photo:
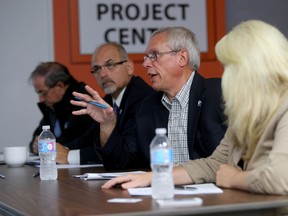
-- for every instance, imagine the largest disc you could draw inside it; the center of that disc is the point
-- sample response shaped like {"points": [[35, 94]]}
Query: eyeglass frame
{"points": [[108, 65], [45, 93], [154, 55]]}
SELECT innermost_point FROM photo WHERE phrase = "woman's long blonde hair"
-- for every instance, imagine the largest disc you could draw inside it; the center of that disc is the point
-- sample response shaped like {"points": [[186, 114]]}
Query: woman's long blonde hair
{"points": [[255, 59]]}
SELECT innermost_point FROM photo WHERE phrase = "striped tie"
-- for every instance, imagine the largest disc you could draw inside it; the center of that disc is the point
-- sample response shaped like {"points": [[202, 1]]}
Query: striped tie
{"points": [[116, 109]]}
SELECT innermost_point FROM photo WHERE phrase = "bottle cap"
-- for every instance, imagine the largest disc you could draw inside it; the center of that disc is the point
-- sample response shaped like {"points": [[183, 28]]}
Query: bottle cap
{"points": [[160, 130], [46, 127]]}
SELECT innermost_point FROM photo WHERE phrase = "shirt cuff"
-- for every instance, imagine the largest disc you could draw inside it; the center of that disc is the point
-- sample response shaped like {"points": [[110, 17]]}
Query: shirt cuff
{"points": [[74, 156]]}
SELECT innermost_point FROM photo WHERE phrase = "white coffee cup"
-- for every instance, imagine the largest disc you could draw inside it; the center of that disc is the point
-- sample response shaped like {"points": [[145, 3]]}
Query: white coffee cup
{"points": [[15, 156]]}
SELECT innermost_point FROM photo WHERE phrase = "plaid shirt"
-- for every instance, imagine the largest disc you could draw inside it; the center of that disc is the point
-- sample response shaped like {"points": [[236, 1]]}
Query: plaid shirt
{"points": [[177, 123]]}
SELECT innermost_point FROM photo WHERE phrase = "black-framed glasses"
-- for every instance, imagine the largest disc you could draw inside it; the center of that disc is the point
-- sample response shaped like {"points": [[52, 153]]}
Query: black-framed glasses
{"points": [[44, 93], [154, 55], [108, 65]]}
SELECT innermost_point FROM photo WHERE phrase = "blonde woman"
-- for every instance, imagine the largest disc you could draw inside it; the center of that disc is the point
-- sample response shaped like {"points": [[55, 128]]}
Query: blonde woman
{"points": [[253, 155]]}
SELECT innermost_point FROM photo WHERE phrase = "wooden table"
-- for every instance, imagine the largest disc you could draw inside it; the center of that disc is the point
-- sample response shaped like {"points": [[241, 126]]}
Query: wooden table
{"points": [[22, 194]]}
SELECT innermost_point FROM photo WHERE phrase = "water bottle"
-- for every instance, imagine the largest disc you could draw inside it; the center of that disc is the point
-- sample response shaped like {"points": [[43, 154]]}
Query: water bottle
{"points": [[161, 155], [47, 154]]}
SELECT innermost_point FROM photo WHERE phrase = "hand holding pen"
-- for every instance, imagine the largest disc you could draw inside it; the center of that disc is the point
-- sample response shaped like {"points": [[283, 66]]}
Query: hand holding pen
{"points": [[94, 106], [95, 103]]}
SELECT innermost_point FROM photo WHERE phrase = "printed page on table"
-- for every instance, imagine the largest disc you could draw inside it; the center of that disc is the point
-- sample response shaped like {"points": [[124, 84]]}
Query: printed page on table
{"points": [[207, 188], [103, 176], [34, 160], [2, 158]]}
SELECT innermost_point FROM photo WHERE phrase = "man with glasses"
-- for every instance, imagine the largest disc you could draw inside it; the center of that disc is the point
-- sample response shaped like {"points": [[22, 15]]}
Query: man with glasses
{"points": [[114, 73], [189, 106], [54, 85]]}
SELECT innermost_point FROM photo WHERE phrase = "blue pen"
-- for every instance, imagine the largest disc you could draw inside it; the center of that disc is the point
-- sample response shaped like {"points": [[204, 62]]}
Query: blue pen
{"points": [[93, 103]]}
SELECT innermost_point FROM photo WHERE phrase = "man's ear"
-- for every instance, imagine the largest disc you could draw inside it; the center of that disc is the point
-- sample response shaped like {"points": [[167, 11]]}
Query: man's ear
{"points": [[130, 66], [60, 84], [184, 58]]}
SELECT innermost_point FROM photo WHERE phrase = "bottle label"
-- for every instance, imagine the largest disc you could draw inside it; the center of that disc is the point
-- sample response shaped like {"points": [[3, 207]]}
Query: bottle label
{"points": [[47, 146], [162, 156]]}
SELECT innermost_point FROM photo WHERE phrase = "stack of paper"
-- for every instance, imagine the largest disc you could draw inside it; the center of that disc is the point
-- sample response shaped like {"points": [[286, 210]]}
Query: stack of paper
{"points": [[103, 176], [208, 188]]}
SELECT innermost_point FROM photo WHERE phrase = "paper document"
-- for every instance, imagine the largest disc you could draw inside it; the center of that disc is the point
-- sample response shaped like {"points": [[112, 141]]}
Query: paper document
{"points": [[70, 166], [34, 160], [208, 188], [103, 176], [2, 158]]}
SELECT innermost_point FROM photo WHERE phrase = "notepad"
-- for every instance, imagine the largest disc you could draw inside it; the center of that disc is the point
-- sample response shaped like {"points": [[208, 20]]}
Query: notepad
{"points": [[104, 176], [207, 188]]}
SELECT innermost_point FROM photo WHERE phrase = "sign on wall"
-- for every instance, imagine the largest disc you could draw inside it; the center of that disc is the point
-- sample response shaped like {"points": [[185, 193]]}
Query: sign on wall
{"points": [[131, 23], [81, 25]]}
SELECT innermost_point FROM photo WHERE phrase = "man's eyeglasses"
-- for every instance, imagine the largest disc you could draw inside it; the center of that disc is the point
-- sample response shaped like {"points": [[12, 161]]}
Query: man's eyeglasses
{"points": [[44, 93], [154, 55], [108, 65]]}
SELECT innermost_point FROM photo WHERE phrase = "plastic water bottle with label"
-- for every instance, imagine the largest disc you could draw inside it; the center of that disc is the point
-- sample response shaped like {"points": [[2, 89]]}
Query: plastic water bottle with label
{"points": [[47, 154], [161, 154]]}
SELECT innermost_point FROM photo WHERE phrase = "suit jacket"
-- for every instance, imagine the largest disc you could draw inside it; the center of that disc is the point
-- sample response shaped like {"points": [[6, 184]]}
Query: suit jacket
{"points": [[266, 167], [85, 144], [71, 126], [134, 93], [205, 127]]}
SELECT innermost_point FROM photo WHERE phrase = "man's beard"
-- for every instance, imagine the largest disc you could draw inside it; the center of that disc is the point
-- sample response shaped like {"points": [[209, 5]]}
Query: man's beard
{"points": [[110, 90]]}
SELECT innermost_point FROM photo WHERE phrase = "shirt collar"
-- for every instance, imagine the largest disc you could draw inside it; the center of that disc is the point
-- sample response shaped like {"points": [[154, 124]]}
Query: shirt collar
{"points": [[182, 96], [119, 98]]}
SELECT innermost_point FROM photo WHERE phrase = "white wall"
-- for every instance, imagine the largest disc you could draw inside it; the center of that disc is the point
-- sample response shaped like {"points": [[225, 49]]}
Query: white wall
{"points": [[25, 39]]}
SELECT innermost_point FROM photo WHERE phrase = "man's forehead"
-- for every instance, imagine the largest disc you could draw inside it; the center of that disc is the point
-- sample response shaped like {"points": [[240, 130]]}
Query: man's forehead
{"points": [[157, 42], [105, 55], [38, 80]]}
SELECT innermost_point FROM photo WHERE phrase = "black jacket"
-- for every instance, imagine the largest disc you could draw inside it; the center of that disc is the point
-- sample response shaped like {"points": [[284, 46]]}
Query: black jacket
{"points": [[135, 92], [205, 127], [71, 126]]}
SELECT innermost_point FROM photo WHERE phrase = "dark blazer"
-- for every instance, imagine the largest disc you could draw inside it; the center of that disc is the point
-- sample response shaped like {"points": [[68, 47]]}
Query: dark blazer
{"points": [[72, 126], [85, 144], [135, 92], [205, 127]]}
